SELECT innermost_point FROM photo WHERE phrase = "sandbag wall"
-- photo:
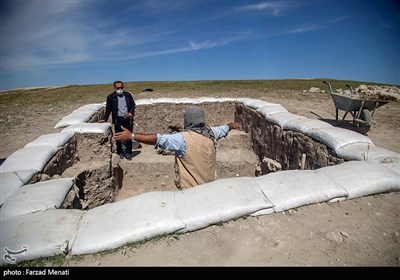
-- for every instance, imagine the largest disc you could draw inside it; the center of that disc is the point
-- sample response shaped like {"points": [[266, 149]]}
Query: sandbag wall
{"points": [[40, 228], [81, 150], [285, 146], [268, 139]]}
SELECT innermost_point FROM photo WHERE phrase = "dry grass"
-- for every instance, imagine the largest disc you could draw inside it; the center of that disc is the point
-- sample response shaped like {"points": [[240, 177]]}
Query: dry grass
{"points": [[22, 101]]}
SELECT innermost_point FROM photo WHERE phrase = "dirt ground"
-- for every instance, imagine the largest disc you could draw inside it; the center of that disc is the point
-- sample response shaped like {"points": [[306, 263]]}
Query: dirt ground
{"points": [[359, 232]]}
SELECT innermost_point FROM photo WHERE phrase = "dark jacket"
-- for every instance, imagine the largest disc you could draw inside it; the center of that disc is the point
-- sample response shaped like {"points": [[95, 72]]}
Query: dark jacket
{"points": [[112, 105]]}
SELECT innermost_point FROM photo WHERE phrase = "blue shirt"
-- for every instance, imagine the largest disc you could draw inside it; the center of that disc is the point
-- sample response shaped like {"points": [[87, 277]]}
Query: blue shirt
{"points": [[176, 142]]}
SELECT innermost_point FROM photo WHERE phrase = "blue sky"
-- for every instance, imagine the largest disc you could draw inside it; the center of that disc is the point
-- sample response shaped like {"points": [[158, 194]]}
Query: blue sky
{"points": [[54, 43]]}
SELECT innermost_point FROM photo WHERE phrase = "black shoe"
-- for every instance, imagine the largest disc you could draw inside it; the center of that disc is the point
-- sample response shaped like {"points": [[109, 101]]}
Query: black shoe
{"points": [[128, 156], [121, 156]]}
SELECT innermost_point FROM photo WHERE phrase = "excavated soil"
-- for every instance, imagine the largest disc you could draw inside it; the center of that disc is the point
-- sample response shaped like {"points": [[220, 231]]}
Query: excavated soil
{"points": [[359, 232]]}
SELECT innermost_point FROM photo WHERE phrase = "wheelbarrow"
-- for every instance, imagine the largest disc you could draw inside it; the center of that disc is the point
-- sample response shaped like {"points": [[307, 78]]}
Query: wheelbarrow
{"points": [[360, 109]]}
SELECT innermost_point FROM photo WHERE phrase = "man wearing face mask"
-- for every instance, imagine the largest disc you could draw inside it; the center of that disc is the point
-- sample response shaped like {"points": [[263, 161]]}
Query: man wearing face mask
{"points": [[121, 106]]}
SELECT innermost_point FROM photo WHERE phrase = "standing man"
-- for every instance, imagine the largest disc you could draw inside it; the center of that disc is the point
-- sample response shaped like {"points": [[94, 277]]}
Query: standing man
{"points": [[121, 105]]}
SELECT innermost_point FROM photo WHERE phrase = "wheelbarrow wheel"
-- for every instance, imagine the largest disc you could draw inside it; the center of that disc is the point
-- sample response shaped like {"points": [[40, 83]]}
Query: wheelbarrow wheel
{"points": [[365, 124]]}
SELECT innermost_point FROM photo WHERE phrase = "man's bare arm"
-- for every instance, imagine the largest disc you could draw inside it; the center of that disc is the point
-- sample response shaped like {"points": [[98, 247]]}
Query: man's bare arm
{"points": [[150, 139], [125, 135]]}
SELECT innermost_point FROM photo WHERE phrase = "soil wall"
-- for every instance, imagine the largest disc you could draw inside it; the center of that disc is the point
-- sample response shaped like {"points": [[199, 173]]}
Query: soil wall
{"points": [[284, 146]]}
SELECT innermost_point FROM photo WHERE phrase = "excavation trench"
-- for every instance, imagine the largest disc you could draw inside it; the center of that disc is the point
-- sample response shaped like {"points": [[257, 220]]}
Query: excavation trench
{"points": [[259, 148]]}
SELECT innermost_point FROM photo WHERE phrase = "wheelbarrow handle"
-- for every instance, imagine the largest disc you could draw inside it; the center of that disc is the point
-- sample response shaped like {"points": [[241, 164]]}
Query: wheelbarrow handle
{"points": [[329, 85], [351, 88]]}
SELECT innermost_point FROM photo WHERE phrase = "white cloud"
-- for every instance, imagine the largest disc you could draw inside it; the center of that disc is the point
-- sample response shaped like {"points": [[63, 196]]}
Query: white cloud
{"points": [[50, 34], [212, 44], [304, 29], [192, 46], [337, 19], [160, 7], [277, 7], [42, 33]]}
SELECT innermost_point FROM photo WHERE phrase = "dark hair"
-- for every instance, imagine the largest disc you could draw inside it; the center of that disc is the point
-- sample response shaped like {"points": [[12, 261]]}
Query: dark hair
{"points": [[118, 82]]}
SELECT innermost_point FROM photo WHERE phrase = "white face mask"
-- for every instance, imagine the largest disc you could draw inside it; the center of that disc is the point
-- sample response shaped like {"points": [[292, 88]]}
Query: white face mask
{"points": [[119, 91]]}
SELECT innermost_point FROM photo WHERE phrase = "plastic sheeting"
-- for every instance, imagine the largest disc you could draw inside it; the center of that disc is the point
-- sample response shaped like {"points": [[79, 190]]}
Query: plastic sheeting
{"points": [[219, 201], [295, 188], [133, 219], [37, 197], [361, 178], [11, 181], [88, 128], [42, 234], [52, 139], [335, 137], [29, 158]]}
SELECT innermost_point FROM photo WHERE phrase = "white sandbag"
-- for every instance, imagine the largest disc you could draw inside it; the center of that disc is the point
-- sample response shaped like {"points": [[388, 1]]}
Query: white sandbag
{"points": [[254, 103], [133, 219], [303, 125], [355, 151], [162, 100], [388, 162], [219, 201], [263, 212], [365, 151], [43, 234], [385, 157], [226, 99], [376, 152], [205, 100], [95, 107], [361, 178], [11, 181], [74, 118], [143, 102], [37, 197], [241, 99], [52, 139], [34, 158], [335, 137], [294, 188], [88, 128], [282, 118], [184, 100], [267, 110]]}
